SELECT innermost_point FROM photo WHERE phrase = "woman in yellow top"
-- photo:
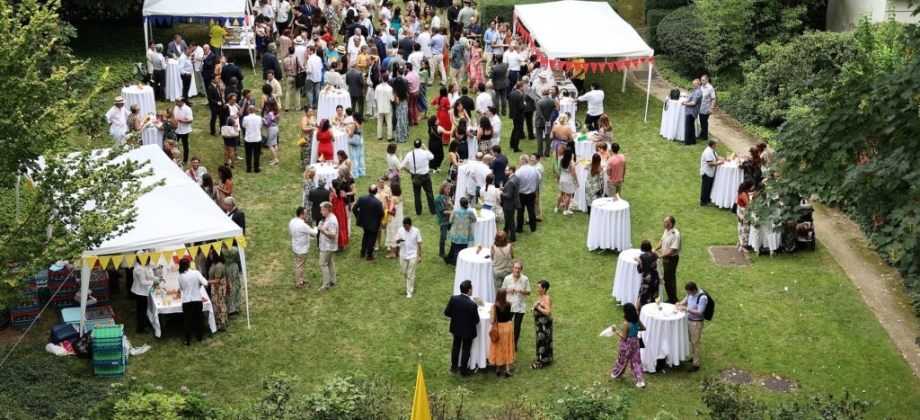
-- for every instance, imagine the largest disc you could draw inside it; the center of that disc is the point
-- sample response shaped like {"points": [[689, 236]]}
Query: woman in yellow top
{"points": [[578, 74], [217, 35]]}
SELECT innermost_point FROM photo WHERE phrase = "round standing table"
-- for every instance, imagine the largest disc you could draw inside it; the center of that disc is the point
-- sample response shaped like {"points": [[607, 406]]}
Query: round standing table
{"points": [[672, 120], [484, 229], [174, 82], [143, 97], [476, 268], [725, 185], [665, 336], [581, 192], [339, 142], [479, 351], [328, 100], [568, 105], [463, 178], [327, 171], [627, 280], [609, 226], [585, 149]]}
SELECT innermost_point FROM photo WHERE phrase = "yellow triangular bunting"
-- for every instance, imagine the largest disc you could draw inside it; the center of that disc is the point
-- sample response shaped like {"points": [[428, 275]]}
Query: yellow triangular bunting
{"points": [[241, 241], [143, 258], [91, 261], [193, 251], [130, 258], [117, 259], [168, 255], [206, 250], [228, 242], [155, 257], [104, 262], [218, 247]]}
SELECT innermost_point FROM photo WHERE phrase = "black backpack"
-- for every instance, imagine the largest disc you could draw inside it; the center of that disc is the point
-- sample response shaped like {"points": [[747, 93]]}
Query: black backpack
{"points": [[710, 306]]}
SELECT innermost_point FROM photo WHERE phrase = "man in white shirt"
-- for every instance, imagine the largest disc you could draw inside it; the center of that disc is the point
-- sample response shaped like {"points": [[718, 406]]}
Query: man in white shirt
{"points": [[483, 100], [197, 60], [595, 100], [156, 66], [478, 173], [185, 74], [708, 163], [383, 96], [300, 242], [423, 39], [252, 125], [328, 245], [416, 163], [514, 59], [417, 56], [117, 116], [283, 14], [354, 47], [492, 113], [409, 239], [184, 117], [435, 21], [314, 77]]}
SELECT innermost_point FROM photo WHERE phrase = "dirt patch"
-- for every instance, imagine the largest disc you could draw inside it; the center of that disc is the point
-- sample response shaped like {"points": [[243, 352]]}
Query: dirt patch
{"points": [[880, 286], [727, 255], [10, 335], [778, 384], [737, 376]]}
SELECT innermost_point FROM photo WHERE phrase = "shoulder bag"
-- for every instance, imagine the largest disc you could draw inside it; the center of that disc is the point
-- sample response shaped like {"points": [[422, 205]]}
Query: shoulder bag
{"points": [[301, 78], [229, 130], [416, 178]]}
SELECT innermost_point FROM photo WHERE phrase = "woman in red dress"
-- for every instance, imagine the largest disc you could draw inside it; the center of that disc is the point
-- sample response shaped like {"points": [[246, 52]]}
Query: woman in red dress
{"points": [[443, 105], [337, 198], [324, 148]]}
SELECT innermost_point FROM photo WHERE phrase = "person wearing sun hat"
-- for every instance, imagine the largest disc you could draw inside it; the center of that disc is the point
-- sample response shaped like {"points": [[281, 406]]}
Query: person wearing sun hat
{"points": [[117, 117]]}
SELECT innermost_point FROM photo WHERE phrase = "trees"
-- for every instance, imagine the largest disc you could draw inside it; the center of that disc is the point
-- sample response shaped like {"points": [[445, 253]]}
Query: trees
{"points": [[77, 201], [678, 36]]}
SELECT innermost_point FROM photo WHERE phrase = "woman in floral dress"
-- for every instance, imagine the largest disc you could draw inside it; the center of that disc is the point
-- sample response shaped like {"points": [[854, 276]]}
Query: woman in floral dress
{"points": [[234, 287], [476, 76], [595, 183], [217, 276], [309, 183], [461, 230], [543, 322]]}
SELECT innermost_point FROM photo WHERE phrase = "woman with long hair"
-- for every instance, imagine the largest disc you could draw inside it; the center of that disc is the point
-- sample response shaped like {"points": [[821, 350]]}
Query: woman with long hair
{"points": [[594, 186], [484, 135], [231, 113], [543, 322], [225, 186], [476, 75], [460, 134], [344, 161], [324, 142], [453, 92], [562, 134], [217, 277], [568, 181], [604, 130], [268, 96], [307, 129], [356, 145], [744, 223], [502, 352], [435, 145], [394, 163], [308, 184], [453, 155], [207, 184], [337, 198], [442, 104], [647, 265], [190, 283], [502, 254], [443, 207], [271, 120], [457, 113], [629, 346], [396, 203]]}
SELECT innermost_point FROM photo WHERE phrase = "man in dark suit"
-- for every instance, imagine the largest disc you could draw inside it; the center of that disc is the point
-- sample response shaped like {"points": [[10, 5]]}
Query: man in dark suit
{"points": [[215, 102], [498, 166], [467, 102], [368, 214], [208, 63], [500, 82], [317, 196], [511, 201], [516, 105], [235, 214], [355, 81], [232, 89], [544, 121], [270, 62], [464, 315], [230, 71]]}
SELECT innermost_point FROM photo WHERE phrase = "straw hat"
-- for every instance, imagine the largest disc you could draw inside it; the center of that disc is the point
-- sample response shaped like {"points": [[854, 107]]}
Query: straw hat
{"points": [[298, 40], [119, 100]]}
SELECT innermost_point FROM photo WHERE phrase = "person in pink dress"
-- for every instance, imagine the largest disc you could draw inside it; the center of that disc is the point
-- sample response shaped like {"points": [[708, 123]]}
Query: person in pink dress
{"points": [[476, 75]]}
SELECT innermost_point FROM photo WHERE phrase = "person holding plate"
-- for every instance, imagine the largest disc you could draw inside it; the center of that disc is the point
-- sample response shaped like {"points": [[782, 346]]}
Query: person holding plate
{"points": [[629, 346]]}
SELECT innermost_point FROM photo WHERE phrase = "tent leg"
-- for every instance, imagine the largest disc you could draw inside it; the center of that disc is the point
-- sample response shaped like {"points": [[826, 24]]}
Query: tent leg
{"points": [[84, 292], [245, 285], [252, 59], [625, 72], [146, 35], [648, 90]]}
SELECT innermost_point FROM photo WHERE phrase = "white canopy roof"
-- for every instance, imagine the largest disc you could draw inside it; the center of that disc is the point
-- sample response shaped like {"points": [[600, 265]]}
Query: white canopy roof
{"points": [[196, 8], [174, 213], [590, 29]]}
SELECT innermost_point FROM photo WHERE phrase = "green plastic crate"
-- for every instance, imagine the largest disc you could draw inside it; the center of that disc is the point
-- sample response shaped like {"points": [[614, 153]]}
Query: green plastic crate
{"points": [[110, 371]]}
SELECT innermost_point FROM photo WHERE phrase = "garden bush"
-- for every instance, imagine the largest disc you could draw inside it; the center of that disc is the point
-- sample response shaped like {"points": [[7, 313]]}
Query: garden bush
{"points": [[505, 8], [726, 402], [133, 400], [650, 5], [653, 18], [678, 36], [784, 76]]}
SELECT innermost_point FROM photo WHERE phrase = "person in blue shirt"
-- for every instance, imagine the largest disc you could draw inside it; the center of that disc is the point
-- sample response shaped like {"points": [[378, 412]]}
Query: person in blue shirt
{"points": [[487, 39], [694, 304], [691, 110]]}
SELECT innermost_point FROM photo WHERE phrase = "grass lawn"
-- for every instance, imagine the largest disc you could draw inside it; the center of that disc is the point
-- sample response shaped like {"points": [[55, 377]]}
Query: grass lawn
{"points": [[813, 333]]}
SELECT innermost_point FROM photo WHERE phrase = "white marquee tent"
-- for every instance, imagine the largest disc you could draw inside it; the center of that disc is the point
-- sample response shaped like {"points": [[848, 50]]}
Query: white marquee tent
{"points": [[177, 212], [590, 30]]}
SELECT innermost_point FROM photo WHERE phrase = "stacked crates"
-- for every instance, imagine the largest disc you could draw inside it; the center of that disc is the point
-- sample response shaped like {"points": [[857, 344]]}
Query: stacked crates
{"points": [[23, 315], [109, 356]]}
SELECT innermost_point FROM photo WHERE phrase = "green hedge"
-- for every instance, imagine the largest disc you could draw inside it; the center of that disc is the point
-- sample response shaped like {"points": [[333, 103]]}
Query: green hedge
{"points": [[652, 19], [662, 5], [505, 8], [678, 36]]}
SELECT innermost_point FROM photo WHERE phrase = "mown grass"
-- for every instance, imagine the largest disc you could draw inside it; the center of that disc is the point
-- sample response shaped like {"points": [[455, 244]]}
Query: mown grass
{"points": [[818, 333]]}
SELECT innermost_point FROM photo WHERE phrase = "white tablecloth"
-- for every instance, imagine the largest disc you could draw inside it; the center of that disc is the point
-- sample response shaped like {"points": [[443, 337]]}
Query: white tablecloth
{"points": [[174, 82], [339, 142], [479, 351], [609, 226], [484, 229], [626, 279], [463, 178], [665, 336], [155, 308], [568, 105], [327, 171], [767, 236], [672, 120], [476, 268], [725, 185], [144, 98], [585, 149], [330, 99], [581, 172]]}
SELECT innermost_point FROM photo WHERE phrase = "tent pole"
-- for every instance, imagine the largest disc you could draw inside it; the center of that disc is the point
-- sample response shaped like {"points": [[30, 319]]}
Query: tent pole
{"points": [[625, 72], [245, 285], [84, 291], [146, 37], [648, 90]]}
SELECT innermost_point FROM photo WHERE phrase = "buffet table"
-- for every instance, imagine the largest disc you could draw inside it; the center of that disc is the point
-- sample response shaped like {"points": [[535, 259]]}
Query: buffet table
{"points": [[156, 306], [241, 38], [665, 336]]}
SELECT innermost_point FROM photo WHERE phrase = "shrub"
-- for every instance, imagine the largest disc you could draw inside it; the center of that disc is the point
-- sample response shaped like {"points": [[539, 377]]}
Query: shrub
{"points": [[678, 36], [725, 402], [593, 403], [133, 400], [505, 8], [653, 18], [351, 398], [650, 5], [784, 76]]}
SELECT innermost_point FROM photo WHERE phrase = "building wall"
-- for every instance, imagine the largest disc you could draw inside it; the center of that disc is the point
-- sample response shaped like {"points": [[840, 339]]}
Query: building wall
{"points": [[844, 15]]}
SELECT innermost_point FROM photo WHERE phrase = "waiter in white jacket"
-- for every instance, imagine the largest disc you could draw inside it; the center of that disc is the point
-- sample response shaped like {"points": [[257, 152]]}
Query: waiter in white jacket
{"points": [[144, 278]]}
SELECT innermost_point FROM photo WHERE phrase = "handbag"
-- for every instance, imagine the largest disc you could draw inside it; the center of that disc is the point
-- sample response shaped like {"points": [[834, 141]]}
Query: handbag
{"points": [[301, 78], [674, 95], [493, 334], [229, 131], [417, 179], [641, 343]]}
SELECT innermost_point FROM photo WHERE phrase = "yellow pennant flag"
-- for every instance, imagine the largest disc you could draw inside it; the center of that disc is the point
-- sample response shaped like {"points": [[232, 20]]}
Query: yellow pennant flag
{"points": [[91, 261], [217, 247], [420, 409], [116, 260], [228, 242], [143, 258], [104, 262], [193, 251], [130, 258], [241, 241], [206, 250], [155, 257]]}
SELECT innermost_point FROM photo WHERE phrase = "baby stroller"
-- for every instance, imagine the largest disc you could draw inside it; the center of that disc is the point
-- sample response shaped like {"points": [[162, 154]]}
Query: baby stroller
{"points": [[800, 234]]}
